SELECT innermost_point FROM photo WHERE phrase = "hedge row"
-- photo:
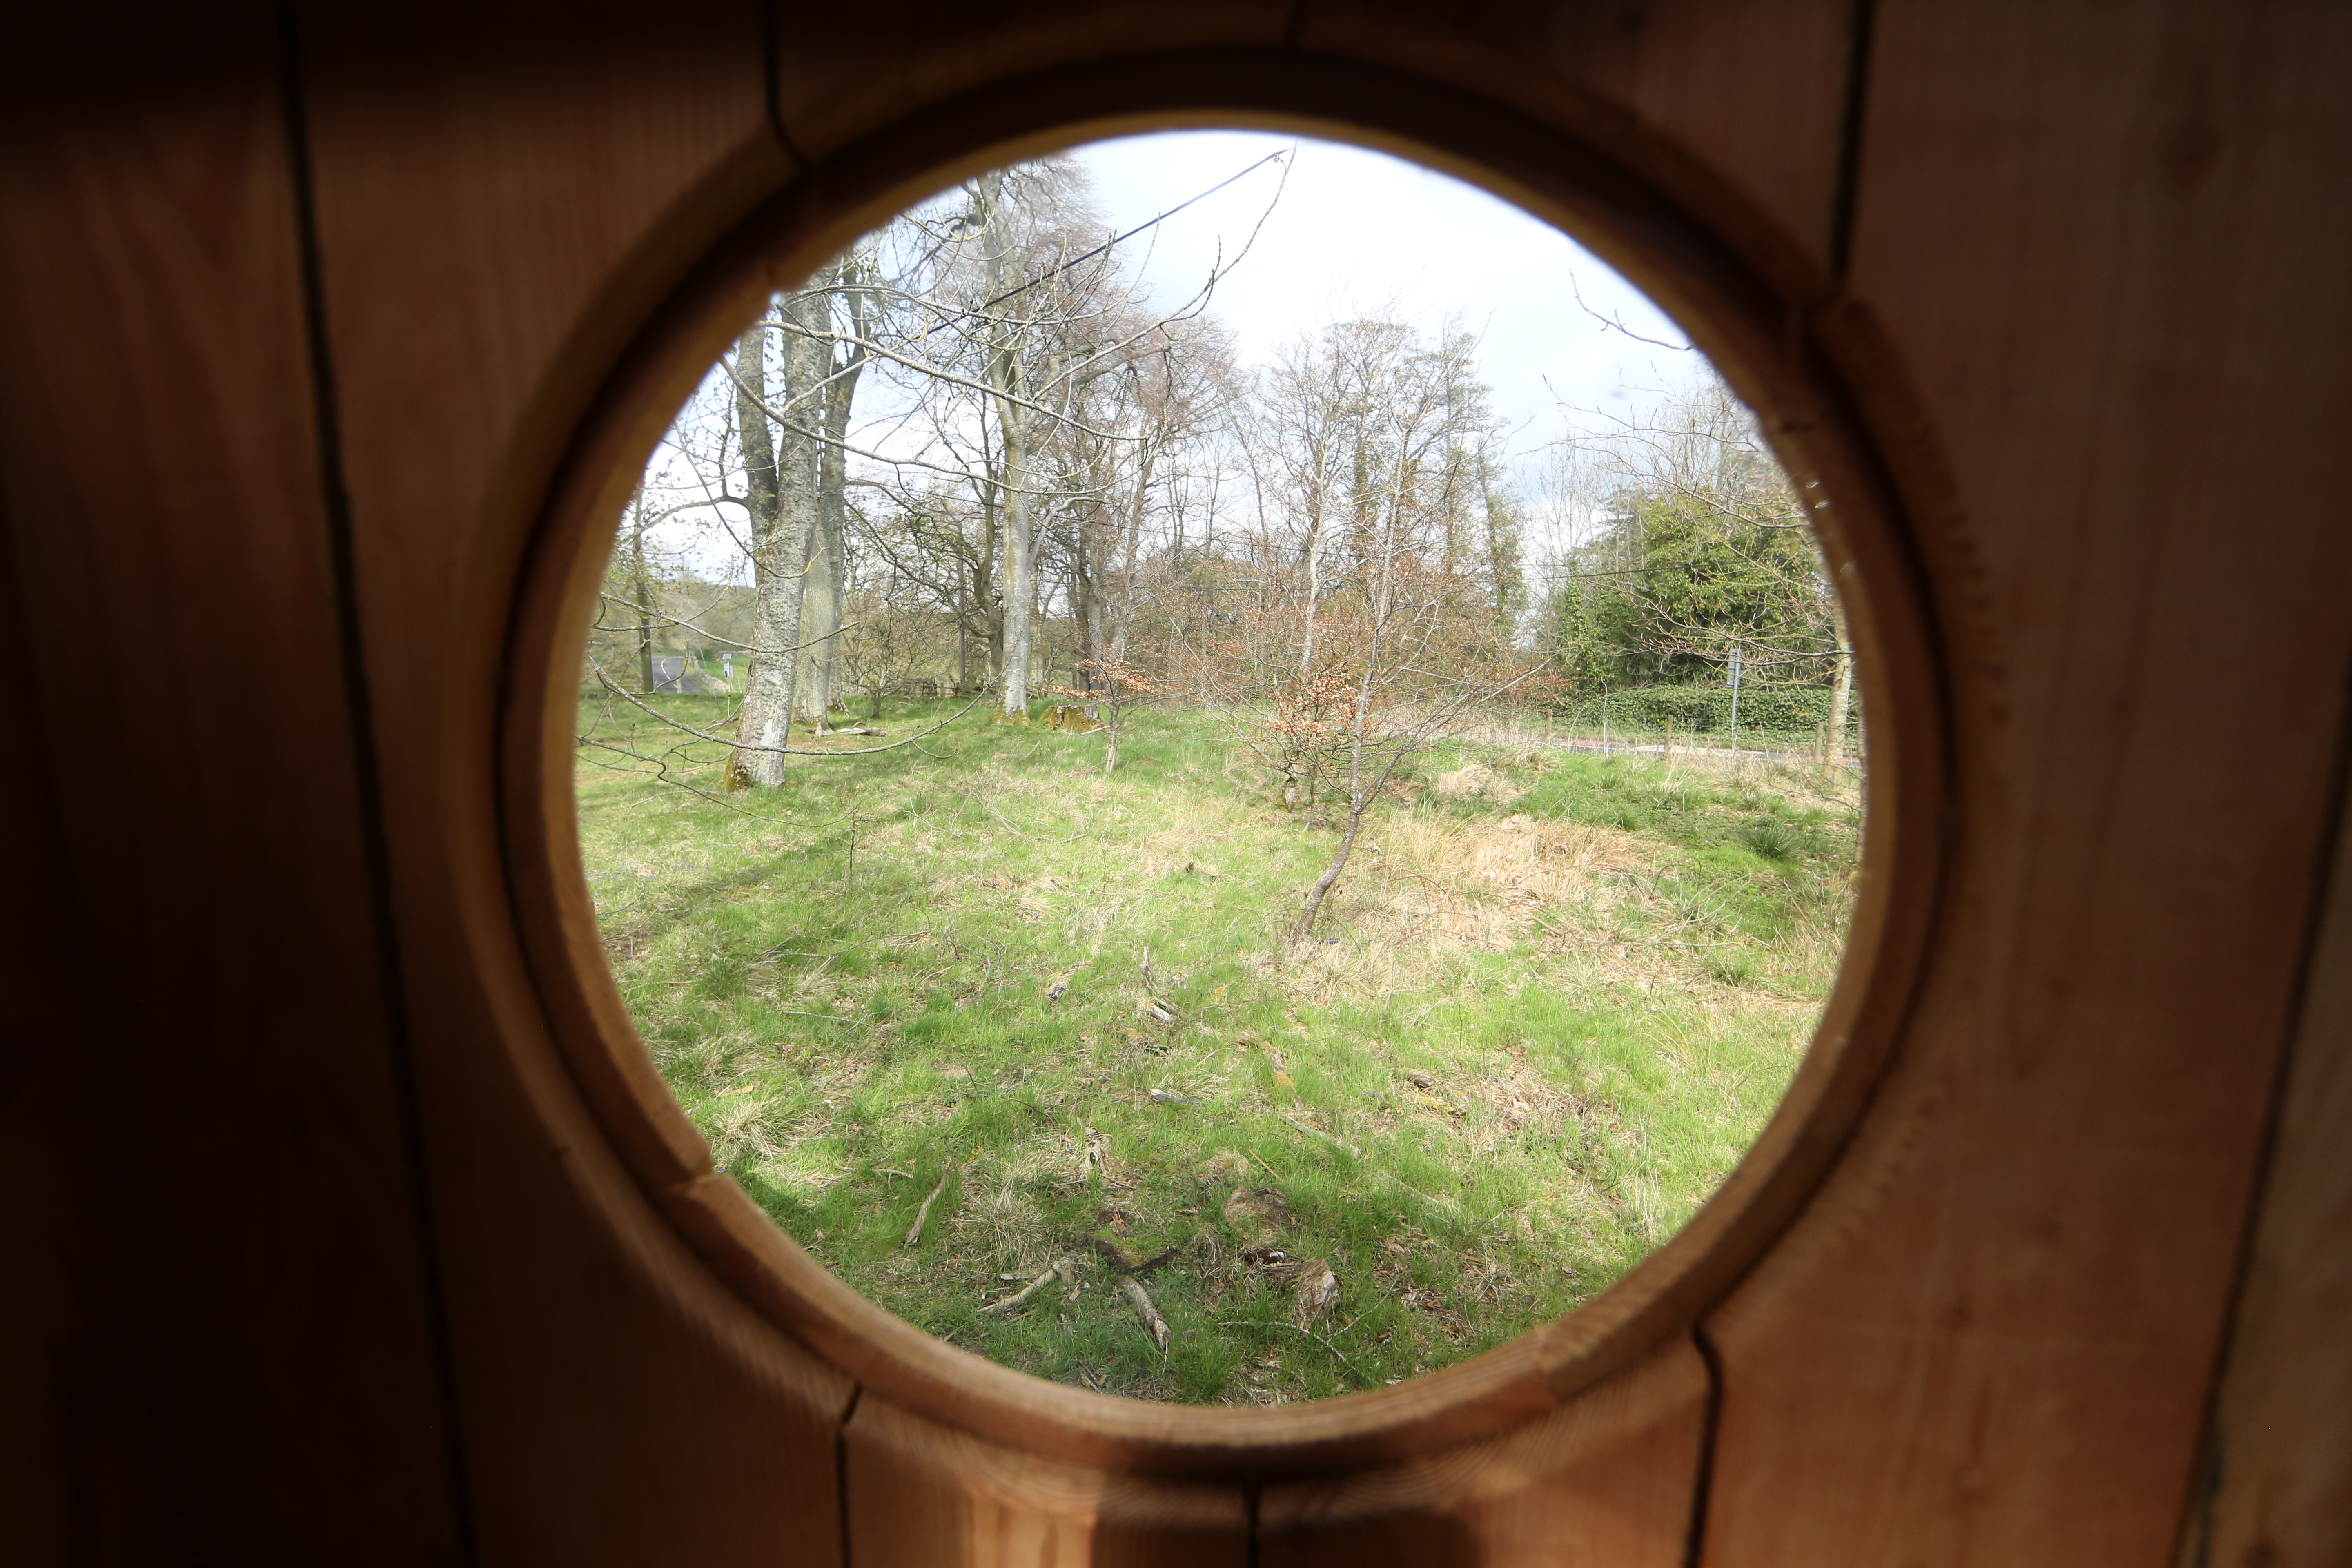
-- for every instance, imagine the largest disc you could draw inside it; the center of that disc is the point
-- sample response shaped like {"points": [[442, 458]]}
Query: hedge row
{"points": [[1707, 710]]}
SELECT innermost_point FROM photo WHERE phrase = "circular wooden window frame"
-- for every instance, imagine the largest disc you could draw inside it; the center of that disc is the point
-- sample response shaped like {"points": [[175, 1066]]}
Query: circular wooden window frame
{"points": [[1762, 337]]}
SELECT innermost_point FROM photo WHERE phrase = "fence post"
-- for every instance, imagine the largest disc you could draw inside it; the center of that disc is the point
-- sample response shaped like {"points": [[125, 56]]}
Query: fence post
{"points": [[1735, 707]]}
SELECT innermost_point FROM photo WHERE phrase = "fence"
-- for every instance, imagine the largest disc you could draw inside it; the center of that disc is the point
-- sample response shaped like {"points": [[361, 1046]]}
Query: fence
{"points": [[1595, 731]]}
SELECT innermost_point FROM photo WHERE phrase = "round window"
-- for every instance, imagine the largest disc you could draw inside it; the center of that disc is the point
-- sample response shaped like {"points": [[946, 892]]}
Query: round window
{"points": [[1221, 769]]}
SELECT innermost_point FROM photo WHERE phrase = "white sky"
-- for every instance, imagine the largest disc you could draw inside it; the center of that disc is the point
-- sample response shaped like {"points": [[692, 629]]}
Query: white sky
{"points": [[1361, 233]]}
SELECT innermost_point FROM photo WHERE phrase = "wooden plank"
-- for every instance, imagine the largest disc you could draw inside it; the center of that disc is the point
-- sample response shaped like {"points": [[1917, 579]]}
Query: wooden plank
{"points": [[1735, 110], [504, 197], [921, 1492], [56, 1290], [1990, 1339], [2275, 1487], [1608, 1481], [840, 81], [231, 1309]]}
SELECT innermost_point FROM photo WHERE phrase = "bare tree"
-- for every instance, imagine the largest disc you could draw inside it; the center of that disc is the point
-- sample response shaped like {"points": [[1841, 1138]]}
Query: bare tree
{"points": [[1023, 401], [1365, 626], [781, 469], [844, 356]]}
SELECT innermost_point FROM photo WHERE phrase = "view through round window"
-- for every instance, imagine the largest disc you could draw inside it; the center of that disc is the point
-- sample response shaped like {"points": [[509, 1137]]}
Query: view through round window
{"points": [[1221, 769]]}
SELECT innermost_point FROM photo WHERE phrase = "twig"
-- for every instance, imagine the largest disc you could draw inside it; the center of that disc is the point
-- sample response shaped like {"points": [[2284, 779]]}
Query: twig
{"points": [[828, 1017], [1053, 1270], [1154, 1323], [915, 1231], [1117, 1260], [1310, 1334]]}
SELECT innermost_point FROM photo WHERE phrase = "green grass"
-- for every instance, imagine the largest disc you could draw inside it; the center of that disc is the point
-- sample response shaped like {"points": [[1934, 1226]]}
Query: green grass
{"points": [[1604, 970]]}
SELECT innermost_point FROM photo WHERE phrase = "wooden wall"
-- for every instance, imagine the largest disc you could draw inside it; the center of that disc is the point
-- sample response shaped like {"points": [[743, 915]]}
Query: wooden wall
{"points": [[323, 1235]]}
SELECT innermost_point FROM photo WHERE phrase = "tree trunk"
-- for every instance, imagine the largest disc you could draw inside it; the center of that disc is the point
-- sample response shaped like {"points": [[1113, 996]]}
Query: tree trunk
{"points": [[780, 479], [1019, 563], [988, 596], [645, 599], [819, 621], [1134, 550], [1841, 693], [828, 558], [1004, 380], [1359, 799], [1314, 584], [1086, 597]]}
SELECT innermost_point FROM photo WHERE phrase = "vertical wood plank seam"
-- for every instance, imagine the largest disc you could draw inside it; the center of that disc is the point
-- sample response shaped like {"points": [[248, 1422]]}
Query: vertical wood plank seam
{"points": [[359, 706], [1710, 1421], [2212, 1463], [1860, 26], [841, 1466]]}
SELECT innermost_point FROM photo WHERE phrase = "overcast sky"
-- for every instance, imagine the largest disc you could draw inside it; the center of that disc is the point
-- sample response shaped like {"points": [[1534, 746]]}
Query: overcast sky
{"points": [[1361, 233]]}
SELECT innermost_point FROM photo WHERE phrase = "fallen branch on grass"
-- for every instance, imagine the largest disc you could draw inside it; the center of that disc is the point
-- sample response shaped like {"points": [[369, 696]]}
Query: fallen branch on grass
{"points": [[915, 1231], [1154, 1323], [1061, 1268], [1118, 1260]]}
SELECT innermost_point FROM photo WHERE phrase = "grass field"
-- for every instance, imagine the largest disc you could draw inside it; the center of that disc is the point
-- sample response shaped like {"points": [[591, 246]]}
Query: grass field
{"points": [[1551, 1003]]}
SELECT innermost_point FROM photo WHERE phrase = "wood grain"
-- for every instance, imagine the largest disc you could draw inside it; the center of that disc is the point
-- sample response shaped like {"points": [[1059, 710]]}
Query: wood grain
{"points": [[1990, 1338], [1733, 111], [840, 82], [2275, 1486], [2094, 345], [502, 193], [919, 1492], [234, 1321], [1609, 1481], [58, 1298]]}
